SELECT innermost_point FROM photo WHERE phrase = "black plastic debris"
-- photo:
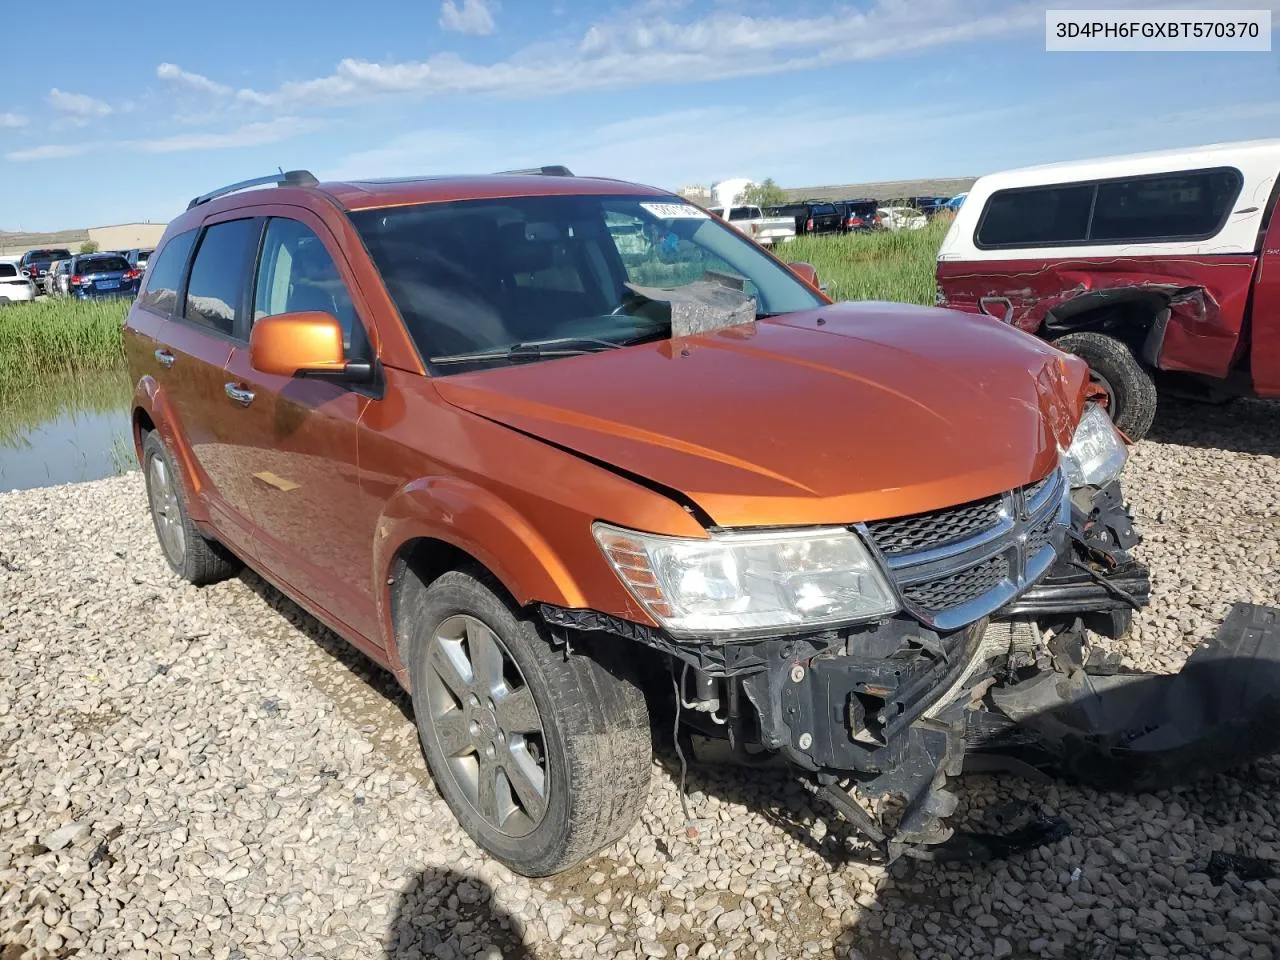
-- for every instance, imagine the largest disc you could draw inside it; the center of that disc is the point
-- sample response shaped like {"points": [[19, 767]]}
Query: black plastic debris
{"points": [[1245, 868]]}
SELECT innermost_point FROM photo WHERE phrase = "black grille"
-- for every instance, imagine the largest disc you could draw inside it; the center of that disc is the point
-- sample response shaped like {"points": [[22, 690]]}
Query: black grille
{"points": [[1034, 490], [957, 588], [924, 531], [1040, 535]]}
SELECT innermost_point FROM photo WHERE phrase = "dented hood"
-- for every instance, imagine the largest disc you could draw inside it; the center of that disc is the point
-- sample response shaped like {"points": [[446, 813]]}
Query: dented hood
{"points": [[844, 413]]}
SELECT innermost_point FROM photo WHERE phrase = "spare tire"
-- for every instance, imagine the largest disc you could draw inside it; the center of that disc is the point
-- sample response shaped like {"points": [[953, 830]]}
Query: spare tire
{"points": [[1131, 393]]}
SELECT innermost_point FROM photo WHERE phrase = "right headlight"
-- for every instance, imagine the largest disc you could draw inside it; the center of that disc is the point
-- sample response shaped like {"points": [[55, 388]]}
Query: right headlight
{"points": [[1097, 453], [749, 583]]}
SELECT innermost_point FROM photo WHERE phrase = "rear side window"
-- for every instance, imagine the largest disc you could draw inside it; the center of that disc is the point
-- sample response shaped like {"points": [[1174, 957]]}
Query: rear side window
{"points": [[743, 213], [7, 271], [218, 274], [1038, 217], [1183, 206], [165, 276]]}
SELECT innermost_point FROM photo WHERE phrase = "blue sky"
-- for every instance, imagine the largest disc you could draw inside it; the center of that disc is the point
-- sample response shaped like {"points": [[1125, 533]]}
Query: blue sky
{"points": [[125, 117]]}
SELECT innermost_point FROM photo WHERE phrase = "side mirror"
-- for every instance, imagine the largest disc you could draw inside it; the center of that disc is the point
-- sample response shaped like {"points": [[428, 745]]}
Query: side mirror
{"points": [[806, 272], [307, 343]]}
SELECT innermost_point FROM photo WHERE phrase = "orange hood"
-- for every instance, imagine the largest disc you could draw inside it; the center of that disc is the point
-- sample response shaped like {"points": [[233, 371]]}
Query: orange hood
{"points": [[849, 412]]}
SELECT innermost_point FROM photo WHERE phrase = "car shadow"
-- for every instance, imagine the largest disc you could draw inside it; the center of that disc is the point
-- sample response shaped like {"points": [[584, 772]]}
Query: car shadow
{"points": [[1241, 426], [443, 913], [378, 679]]}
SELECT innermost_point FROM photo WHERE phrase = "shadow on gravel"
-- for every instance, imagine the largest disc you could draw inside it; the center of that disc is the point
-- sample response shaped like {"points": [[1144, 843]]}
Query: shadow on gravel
{"points": [[445, 915], [1242, 426], [378, 680]]}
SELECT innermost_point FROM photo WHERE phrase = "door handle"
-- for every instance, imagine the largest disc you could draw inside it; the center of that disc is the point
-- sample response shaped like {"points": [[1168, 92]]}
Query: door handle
{"points": [[240, 394], [165, 358]]}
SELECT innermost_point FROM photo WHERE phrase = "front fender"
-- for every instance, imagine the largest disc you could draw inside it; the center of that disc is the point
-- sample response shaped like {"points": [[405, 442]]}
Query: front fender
{"points": [[481, 525]]}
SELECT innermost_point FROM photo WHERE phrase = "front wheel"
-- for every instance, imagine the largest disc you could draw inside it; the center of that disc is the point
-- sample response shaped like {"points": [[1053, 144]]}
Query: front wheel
{"points": [[1131, 393], [542, 755]]}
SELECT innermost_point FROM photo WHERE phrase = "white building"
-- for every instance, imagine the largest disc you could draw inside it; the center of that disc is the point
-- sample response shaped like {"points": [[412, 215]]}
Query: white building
{"points": [[726, 192]]}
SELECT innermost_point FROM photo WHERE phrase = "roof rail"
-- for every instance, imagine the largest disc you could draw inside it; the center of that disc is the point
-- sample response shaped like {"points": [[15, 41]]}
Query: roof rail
{"points": [[291, 178], [553, 170]]}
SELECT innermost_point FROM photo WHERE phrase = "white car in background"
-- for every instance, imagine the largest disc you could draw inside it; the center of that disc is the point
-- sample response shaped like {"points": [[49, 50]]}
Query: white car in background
{"points": [[15, 286], [902, 218], [751, 221]]}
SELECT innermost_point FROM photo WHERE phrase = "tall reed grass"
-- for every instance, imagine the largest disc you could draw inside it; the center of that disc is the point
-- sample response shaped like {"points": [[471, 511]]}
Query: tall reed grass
{"points": [[59, 336], [881, 265]]}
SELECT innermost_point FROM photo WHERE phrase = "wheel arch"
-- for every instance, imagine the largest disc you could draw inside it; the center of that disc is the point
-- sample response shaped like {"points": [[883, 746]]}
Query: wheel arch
{"points": [[152, 412], [434, 525], [1136, 315]]}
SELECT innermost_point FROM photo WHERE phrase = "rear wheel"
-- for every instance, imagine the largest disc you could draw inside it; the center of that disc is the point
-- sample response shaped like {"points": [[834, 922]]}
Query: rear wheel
{"points": [[543, 757], [190, 554], [1131, 393]]}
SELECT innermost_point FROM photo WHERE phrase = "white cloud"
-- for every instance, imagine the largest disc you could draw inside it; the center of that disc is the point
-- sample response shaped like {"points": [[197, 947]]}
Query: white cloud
{"points": [[12, 120], [51, 151], [649, 45], [249, 135], [473, 16], [176, 75], [78, 105]]}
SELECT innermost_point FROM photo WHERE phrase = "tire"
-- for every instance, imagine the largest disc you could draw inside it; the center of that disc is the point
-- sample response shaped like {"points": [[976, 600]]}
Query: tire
{"points": [[566, 779], [192, 556], [1131, 391]]}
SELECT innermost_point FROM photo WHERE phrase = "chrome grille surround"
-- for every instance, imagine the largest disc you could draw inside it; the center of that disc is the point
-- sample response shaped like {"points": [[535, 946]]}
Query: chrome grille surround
{"points": [[952, 583]]}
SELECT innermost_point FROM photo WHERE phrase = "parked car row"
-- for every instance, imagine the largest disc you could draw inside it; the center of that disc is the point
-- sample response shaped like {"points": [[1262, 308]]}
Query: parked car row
{"points": [[90, 275], [57, 272], [822, 216]]}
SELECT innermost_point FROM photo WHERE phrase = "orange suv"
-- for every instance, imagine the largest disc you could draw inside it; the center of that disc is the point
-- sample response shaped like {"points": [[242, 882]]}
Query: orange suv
{"points": [[564, 454]]}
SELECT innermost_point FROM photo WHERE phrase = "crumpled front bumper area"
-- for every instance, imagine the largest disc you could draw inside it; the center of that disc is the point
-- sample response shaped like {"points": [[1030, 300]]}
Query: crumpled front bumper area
{"points": [[1141, 731], [879, 716]]}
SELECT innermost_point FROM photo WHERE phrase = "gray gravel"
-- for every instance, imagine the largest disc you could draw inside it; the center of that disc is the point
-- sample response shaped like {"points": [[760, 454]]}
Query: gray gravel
{"points": [[208, 773]]}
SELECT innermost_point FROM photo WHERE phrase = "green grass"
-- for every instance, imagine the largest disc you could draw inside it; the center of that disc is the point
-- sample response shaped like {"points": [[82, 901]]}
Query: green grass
{"points": [[62, 336], [885, 265]]}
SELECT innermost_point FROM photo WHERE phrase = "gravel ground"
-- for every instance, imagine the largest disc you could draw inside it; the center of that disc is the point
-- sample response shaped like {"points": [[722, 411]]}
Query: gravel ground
{"points": [[209, 773]]}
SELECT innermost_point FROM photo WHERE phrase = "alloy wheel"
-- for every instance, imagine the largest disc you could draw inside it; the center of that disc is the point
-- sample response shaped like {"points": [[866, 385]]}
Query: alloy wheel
{"points": [[166, 510], [487, 725]]}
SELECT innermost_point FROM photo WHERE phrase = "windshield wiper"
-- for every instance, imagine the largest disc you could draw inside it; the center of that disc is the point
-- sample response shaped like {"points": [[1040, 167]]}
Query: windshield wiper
{"points": [[531, 350]]}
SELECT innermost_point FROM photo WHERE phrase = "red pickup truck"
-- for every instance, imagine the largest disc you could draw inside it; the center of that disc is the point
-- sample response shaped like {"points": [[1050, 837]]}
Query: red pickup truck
{"points": [[1159, 269]]}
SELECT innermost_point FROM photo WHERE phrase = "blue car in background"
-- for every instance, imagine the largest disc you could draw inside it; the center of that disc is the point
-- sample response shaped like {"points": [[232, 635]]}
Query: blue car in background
{"points": [[94, 275], [954, 203]]}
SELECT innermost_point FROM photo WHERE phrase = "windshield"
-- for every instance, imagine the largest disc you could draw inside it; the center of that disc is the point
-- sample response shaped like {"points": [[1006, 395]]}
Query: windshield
{"points": [[483, 275]]}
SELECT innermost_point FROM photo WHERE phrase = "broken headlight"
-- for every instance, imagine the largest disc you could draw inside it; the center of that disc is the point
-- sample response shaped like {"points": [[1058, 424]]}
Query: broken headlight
{"points": [[1097, 453], [745, 583]]}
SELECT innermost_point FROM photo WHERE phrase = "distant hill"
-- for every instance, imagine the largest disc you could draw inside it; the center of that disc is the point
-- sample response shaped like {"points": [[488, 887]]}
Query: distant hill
{"points": [[10, 240]]}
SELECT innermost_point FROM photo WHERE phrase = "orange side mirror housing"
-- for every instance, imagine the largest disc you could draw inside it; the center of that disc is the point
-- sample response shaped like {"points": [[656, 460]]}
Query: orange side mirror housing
{"points": [[302, 343], [806, 272]]}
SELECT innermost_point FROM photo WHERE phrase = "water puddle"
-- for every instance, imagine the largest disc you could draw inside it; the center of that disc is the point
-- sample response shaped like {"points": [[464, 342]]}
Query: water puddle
{"points": [[65, 429]]}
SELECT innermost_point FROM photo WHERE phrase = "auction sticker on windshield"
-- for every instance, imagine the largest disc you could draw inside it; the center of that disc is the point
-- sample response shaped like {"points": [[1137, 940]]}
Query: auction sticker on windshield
{"points": [[676, 211]]}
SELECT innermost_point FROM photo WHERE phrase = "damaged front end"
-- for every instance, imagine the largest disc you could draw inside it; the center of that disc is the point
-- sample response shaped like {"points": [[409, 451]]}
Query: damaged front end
{"points": [[984, 665]]}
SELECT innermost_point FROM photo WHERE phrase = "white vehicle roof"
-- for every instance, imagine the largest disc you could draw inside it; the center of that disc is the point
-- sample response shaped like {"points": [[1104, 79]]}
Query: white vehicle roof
{"points": [[1257, 160]]}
